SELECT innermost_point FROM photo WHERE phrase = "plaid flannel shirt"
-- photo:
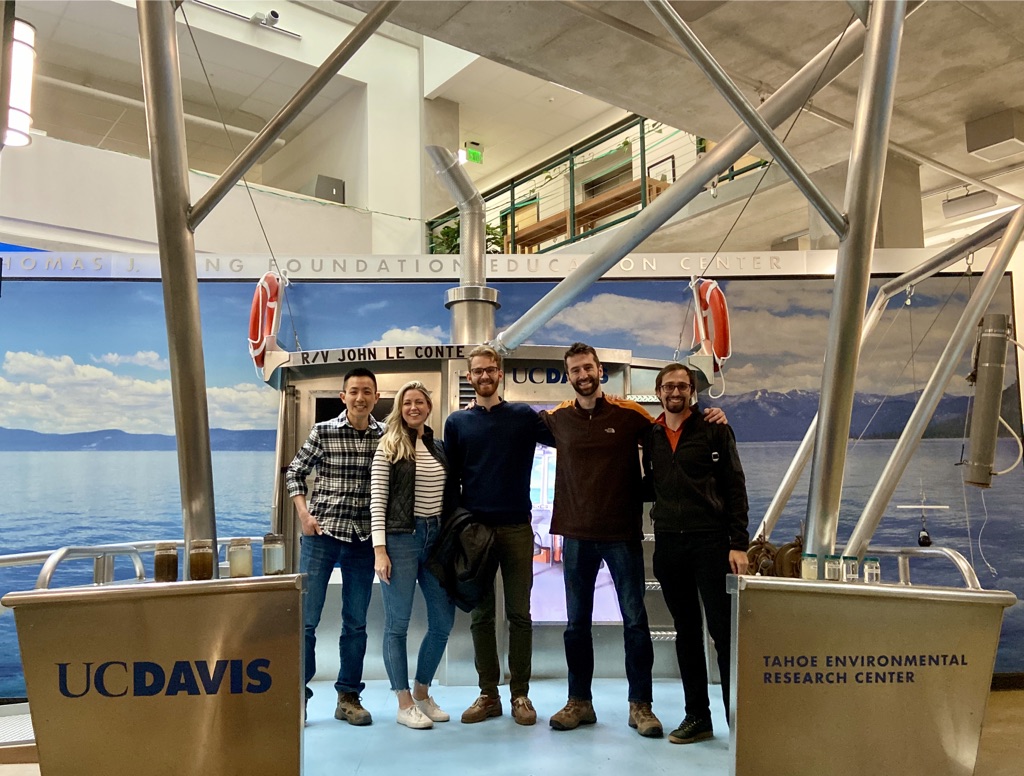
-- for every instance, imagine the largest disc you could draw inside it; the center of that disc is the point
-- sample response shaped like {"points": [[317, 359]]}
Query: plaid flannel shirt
{"points": [[341, 456]]}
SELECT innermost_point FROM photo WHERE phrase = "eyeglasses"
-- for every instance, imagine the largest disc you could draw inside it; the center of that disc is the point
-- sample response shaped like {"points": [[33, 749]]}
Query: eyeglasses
{"points": [[490, 371], [671, 388]]}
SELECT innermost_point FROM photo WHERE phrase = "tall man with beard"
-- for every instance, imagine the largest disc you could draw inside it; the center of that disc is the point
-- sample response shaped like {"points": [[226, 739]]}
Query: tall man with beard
{"points": [[490, 448], [700, 536], [336, 532], [599, 512]]}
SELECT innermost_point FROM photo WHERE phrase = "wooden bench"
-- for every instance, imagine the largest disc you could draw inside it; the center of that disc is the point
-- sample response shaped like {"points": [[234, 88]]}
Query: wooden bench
{"points": [[529, 237], [622, 197], [588, 213]]}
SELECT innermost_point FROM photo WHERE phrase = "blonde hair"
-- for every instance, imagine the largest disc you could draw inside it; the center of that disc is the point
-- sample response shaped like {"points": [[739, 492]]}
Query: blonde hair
{"points": [[395, 443], [486, 351]]}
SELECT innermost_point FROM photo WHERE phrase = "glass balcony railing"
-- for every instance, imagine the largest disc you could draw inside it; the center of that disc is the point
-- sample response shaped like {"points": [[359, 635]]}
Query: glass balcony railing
{"points": [[599, 183]]}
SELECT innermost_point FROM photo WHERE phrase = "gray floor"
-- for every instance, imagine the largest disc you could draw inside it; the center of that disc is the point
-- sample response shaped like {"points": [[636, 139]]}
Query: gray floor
{"points": [[500, 746]]}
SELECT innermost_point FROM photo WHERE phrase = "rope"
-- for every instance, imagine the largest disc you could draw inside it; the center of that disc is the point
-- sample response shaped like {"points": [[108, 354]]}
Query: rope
{"points": [[767, 167], [907, 362], [252, 200]]}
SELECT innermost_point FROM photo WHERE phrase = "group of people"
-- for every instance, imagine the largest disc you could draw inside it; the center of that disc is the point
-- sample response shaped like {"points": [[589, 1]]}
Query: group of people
{"points": [[384, 490]]}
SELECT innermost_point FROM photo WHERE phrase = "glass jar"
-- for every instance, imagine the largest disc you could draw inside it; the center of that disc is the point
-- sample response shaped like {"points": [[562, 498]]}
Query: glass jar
{"points": [[273, 554], [850, 568], [239, 558], [200, 559], [808, 565], [165, 562], [833, 568], [872, 571]]}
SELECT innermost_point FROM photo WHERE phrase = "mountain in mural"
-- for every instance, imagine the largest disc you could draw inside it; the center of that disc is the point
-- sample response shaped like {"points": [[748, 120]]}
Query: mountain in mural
{"points": [[764, 416], [13, 439], [758, 416]]}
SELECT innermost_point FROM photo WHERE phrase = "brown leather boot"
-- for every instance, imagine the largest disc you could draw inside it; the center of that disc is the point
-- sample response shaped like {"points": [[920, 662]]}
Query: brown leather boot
{"points": [[643, 720], [576, 712]]}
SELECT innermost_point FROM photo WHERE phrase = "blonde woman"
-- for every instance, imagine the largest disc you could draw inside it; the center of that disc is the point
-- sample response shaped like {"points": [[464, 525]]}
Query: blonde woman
{"points": [[410, 494]]}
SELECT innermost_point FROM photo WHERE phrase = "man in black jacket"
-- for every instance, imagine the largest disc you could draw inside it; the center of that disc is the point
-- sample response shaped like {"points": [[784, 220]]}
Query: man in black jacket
{"points": [[700, 530]]}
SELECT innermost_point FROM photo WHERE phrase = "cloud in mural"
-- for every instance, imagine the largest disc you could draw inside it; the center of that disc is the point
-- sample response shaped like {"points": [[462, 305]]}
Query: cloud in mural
{"points": [[413, 335], [146, 358], [53, 394], [647, 321], [778, 335], [371, 307]]}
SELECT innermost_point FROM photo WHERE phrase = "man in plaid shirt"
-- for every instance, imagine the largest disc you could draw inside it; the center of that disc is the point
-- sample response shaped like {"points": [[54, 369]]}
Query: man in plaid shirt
{"points": [[336, 531]]}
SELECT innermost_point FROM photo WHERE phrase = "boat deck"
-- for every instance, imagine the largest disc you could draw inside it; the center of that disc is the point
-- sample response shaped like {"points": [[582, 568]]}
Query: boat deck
{"points": [[609, 747]]}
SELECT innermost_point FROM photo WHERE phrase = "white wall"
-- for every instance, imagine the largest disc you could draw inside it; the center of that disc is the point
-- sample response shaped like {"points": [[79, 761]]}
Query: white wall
{"points": [[334, 145], [60, 195], [441, 63], [70, 198]]}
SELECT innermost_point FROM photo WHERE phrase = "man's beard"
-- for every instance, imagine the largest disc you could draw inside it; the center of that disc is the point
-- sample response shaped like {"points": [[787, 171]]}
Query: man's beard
{"points": [[590, 390]]}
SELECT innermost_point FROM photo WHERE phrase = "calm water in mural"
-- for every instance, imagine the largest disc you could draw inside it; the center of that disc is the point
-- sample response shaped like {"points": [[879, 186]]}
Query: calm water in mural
{"points": [[81, 498]]}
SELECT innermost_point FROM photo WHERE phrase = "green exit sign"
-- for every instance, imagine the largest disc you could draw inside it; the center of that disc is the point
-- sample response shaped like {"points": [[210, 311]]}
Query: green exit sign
{"points": [[474, 155]]}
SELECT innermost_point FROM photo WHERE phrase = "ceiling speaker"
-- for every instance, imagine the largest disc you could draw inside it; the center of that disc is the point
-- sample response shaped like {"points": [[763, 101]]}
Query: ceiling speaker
{"points": [[997, 136]]}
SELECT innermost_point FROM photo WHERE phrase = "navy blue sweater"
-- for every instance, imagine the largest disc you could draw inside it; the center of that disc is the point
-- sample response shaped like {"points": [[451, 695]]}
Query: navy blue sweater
{"points": [[491, 456]]}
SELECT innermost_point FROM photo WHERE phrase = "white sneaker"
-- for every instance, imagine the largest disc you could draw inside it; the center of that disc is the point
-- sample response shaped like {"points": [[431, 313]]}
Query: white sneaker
{"points": [[413, 718], [431, 710]]}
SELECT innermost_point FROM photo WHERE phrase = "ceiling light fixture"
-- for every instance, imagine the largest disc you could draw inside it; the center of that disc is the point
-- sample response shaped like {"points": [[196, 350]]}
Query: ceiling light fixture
{"points": [[23, 65], [972, 202]]}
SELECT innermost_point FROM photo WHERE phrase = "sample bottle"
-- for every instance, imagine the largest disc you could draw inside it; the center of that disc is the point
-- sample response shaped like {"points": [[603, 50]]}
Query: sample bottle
{"points": [[872, 571], [273, 554], [165, 562], [200, 559], [850, 568], [240, 558], [808, 565], [833, 568]]}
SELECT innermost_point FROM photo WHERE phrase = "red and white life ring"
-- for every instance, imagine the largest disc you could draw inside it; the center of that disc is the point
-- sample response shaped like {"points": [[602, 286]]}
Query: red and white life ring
{"points": [[264, 316], [711, 321]]}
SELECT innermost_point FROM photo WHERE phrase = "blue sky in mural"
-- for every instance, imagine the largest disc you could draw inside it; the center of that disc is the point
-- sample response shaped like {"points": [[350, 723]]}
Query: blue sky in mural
{"points": [[100, 348]]}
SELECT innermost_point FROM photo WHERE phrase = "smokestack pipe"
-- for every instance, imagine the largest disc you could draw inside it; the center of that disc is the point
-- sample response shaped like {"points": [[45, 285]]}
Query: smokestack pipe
{"points": [[472, 303]]}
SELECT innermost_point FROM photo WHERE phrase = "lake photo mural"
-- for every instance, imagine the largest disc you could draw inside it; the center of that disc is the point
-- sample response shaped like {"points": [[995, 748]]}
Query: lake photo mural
{"points": [[86, 427]]}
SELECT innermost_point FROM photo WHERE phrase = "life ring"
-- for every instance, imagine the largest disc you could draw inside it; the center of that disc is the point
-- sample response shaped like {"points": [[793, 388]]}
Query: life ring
{"points": [[264, 316], [711, 308]]}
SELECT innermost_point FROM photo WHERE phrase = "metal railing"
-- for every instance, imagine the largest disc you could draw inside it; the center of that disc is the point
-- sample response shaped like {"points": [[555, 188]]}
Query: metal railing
{"points": [[103, 556], [904, 554], [598, 183]]}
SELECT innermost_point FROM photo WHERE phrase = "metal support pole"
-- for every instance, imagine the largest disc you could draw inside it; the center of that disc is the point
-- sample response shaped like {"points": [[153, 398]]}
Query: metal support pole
{"points": [[161, 79], [643, 164], [853, 272], [810, 79], [714, 72], [265, 139], [961, 337], [984, 236]]}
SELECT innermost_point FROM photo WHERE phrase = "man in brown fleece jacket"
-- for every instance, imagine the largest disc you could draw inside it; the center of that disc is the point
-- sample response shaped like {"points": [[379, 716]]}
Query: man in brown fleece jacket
{"points": [[599, 511]]}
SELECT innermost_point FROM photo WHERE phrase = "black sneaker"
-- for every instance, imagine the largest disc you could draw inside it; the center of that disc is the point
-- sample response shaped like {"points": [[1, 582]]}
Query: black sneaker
{"points": [[691, 730]]}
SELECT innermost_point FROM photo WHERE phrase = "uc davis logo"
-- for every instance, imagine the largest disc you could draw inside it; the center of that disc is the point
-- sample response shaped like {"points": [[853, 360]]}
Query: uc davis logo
{"points": [[539, 375], [117, 678]]}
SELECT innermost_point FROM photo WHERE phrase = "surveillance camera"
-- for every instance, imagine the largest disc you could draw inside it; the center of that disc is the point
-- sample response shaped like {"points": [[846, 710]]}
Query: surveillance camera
{"points": [[272, 19]]}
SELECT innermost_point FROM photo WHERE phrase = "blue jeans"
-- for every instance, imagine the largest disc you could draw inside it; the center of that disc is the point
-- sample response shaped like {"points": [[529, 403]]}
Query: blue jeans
{"points": [[409, 554], [320, 554], [581, 560]]}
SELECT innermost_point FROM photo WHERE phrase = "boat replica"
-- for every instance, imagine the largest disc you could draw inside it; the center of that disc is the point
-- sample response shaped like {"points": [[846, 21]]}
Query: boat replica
{"points": [[829, 676]]}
